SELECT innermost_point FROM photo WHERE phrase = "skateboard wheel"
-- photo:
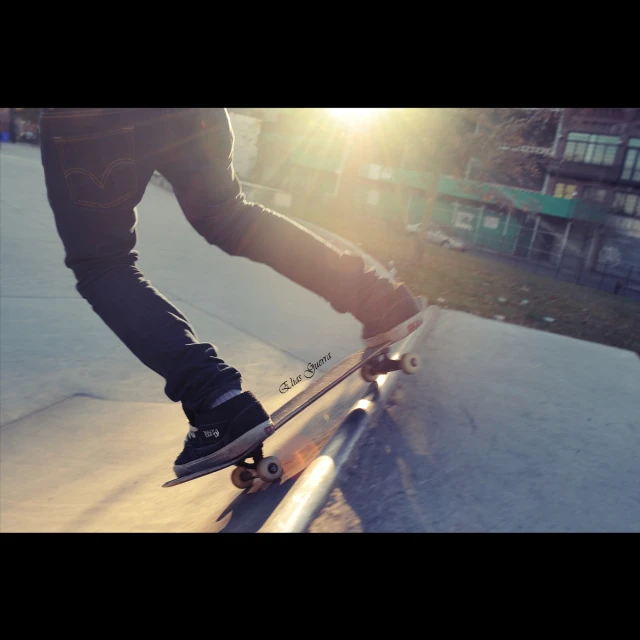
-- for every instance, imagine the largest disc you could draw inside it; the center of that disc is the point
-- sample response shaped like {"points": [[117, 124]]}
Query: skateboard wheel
{"points": [[269, 469], [367, 373], [410, 363], [242, 478]]}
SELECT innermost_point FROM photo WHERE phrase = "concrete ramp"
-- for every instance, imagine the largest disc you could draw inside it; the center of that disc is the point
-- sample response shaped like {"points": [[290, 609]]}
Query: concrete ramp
{"points": [[91, 465]]}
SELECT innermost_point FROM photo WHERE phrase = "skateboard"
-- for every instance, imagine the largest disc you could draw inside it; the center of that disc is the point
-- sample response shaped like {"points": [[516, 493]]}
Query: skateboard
{"points": [[371, 362]]}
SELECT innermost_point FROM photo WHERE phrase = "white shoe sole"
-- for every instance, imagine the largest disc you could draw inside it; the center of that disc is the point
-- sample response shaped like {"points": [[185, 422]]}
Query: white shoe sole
{"points": [[245, 443]]}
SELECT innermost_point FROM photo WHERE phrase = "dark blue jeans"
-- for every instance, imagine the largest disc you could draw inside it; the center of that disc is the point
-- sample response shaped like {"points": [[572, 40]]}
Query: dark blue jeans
{"points": [[98, 163]]}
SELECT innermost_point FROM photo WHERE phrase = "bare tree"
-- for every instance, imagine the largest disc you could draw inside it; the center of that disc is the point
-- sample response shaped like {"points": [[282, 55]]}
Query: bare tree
{"points": [[496, 142]]}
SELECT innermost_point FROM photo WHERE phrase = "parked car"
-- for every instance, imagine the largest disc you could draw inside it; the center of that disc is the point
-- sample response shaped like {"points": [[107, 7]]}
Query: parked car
{"points": [[31, 137], [436, 235]]}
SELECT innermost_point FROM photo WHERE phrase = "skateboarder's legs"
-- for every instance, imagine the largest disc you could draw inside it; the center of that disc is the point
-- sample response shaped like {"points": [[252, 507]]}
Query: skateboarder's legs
{"points": [[97, 166]]}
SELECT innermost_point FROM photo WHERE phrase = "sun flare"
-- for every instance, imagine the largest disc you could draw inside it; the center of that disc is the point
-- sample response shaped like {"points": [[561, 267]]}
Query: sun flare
{"points": [[355, 114]]}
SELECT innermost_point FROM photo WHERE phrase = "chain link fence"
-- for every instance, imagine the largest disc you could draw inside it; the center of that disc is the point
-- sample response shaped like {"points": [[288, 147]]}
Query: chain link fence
{"points": [[540, 251]]}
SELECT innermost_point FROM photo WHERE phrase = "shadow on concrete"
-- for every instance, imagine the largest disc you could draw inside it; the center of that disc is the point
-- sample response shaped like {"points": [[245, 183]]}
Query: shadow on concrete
{"points": [[250, 510], [380, 487]]}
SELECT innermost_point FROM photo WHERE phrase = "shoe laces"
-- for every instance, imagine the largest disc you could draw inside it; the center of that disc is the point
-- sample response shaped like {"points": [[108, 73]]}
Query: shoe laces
{"points": [[191, 433]]}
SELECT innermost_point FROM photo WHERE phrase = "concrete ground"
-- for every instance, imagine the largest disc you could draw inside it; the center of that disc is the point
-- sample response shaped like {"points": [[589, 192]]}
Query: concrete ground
{"points": [[505, 429]]}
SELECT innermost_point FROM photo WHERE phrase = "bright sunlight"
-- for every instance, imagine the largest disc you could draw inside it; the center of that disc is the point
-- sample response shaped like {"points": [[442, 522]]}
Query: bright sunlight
{"points": [[355, 114]]}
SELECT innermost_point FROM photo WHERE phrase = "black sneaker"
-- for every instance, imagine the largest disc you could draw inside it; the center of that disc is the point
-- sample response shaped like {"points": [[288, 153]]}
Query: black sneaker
{"points": [[222, 434], [387, 309], [389, 313]]}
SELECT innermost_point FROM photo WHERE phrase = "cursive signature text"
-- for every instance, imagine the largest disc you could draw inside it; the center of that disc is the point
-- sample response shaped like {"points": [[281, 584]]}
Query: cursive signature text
{"points": [[309, 372]]}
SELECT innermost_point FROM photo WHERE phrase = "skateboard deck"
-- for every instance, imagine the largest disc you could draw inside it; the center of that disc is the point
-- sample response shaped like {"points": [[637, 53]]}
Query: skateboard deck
{"points": [[372, 362]]}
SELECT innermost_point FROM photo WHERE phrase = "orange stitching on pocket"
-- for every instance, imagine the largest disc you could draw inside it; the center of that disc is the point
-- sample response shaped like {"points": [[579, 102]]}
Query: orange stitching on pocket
{"points": [[100, 182]]}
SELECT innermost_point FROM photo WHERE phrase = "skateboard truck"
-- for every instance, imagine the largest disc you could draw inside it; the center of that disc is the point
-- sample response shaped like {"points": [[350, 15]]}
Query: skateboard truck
{"points": [[267, 469], [408, 363]]}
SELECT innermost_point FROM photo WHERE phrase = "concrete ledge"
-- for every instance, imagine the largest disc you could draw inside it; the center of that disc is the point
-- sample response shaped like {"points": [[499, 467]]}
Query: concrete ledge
{"points": [[310, 492]]}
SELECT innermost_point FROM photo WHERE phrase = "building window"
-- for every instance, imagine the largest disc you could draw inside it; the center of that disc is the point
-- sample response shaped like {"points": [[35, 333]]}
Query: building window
{"points": [[631, 166], [627, 203], [595, 195], [591, 148], [565, 190]]}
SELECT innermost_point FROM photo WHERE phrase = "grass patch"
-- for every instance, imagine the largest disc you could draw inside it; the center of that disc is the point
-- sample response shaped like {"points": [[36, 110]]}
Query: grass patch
{"points": [[475, 285]]}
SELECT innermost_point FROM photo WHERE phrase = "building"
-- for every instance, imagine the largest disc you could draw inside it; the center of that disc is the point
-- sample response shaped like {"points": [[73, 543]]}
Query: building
{"points": [[597, 159], [250, 128], [579, 213]]}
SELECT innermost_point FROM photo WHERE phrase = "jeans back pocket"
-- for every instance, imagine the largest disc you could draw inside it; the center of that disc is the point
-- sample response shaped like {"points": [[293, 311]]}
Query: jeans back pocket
{"points": [[99, 168]]}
